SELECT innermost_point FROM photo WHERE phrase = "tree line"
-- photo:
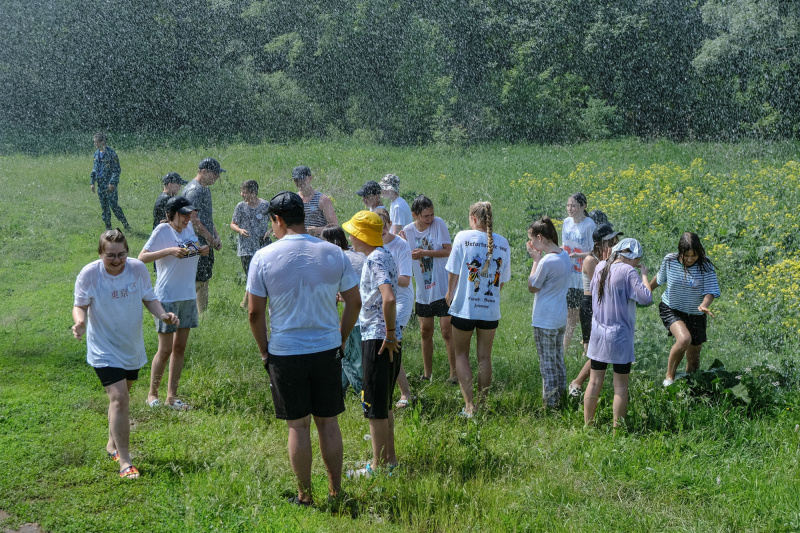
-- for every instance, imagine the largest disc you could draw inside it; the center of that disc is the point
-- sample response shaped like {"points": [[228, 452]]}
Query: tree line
{"points": [[407, 72]]}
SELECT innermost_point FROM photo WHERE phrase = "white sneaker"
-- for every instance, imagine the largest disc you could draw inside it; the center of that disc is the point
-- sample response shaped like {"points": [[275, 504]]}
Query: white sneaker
{"points": [[668, 382], [360, 472], [574, 391]]}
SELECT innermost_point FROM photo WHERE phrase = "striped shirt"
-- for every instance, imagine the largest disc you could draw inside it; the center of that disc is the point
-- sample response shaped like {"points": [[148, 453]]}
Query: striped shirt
{"points": [[314, 216], [686, 288]]}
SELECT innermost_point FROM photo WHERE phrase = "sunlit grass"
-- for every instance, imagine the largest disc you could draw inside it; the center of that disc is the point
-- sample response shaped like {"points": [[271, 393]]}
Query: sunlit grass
{"points": [[683, 463]]}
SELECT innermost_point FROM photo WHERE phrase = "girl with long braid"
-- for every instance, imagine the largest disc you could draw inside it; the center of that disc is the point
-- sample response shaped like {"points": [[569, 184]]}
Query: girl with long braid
{"points": [[616, 289], [477, 269]]}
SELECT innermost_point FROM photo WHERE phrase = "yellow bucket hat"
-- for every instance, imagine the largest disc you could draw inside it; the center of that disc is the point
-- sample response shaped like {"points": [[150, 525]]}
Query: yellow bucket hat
{"points": [[366, 226]]}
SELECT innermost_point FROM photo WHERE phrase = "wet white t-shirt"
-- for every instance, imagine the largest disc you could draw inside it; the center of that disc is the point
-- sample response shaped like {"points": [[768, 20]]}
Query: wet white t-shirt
{"points": [[405, 295], [430, 275], [400, 213], [300, 275], [477, 295], [175, 276], [577, 238], [552, 278], [114, 319]]}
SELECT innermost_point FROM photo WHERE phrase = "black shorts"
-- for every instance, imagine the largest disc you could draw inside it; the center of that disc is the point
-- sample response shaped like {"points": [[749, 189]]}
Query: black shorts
{"points": [[618, 368], [574, 297], [437, 308], [696, 324], [380, 376], [465, 324], [110, 374], [586, 317], [306, 384], [205, 267]]}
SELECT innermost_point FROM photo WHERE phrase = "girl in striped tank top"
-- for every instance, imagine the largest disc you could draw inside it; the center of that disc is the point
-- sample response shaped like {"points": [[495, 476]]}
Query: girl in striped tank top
{"points": [[691, 286]]}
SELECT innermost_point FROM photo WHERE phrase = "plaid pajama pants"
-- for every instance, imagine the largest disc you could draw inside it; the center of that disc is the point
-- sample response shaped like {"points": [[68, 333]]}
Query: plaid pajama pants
{"points": [[550, 345]]}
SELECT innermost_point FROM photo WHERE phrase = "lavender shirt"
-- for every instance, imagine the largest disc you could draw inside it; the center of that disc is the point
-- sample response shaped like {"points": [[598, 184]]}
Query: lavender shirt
{"points": [[614, 318]]}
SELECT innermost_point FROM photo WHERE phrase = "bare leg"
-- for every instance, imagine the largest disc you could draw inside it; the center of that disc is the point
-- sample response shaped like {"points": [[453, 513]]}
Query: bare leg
{"points": [[159, 364], [402, 382], [620, 405], [573, 315], [300, 455], [592, 395], [447, 335], [201, 287], [118, 422], [683, 340], [111, 446], [330, 447], [382, 432], [426, 333], [583, 375], [176, 362], [485, 340], [461, 341], [693, 358]]}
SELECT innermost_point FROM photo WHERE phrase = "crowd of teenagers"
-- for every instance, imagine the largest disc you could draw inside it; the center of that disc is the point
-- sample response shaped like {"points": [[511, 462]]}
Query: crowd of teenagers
{"points": [[382, 265]]}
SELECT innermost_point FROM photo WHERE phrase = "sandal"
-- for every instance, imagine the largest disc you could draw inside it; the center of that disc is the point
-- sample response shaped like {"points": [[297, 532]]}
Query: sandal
{"points": [[294, 500], [179, 406], [154, 403], [114, 456], [575, 390], [401, 404], [129, 473]]}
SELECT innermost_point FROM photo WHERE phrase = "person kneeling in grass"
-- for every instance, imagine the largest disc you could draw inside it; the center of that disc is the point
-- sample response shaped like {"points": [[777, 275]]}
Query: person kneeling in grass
{"points": [[380, 338], [616, 289], [109, 294]]}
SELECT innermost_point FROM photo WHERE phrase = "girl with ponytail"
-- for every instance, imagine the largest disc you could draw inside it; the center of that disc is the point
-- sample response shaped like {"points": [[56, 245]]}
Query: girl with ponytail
{"points": [[616, 289], [477, 269], [549, 281]]}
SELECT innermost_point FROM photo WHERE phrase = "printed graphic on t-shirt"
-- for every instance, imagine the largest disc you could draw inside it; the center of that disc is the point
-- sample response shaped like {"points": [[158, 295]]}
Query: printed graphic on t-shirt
{"points": [[478, 277], [426, 263], [123, 293]]}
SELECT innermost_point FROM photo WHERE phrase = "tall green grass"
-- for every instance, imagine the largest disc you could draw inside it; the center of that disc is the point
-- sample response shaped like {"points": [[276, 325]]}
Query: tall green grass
{"points": [[684, 462]]}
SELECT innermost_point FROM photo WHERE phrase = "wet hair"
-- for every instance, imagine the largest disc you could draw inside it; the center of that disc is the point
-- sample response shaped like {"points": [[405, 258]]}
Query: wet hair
{"points": [[99, 136], [581, 199], [597, 249], [601, 283], [420, 204], [111, 236], [335, 235], [482, 211], [384, 214], [250, 186], [544, 227], [690, 242]]}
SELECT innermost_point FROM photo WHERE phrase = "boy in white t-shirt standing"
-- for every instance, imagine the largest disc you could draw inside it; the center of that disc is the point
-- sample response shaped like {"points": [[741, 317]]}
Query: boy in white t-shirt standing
{"points": [[399, 212]]}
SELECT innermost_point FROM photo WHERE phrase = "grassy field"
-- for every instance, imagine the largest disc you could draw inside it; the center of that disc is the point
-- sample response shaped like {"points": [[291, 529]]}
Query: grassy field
{"points": [[693, 457]]}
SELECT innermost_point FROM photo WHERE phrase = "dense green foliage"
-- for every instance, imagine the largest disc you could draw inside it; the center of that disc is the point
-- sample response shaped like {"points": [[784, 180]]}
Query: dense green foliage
{"points": [[402, 72], [693, 457]]}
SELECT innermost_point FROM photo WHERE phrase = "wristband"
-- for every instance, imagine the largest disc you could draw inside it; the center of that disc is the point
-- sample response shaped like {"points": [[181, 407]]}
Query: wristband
{"points": [[391, 329]]}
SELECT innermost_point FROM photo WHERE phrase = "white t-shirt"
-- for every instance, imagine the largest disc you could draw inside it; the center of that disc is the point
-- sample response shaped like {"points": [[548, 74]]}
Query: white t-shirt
{"points": [[577, 238], [379, 269], [430, 275], [552, 277], [477, 296], [400, 213], [174, 276], [114, 320], [405, 295], [301, 275]]}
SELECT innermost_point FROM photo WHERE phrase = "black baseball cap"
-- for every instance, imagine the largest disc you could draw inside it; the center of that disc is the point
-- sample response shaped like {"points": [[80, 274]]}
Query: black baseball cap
{"points": [[604, 232], [180, 205], [301, 172], [370, 188], [173, 177], [286, 203], [209, 163]]}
